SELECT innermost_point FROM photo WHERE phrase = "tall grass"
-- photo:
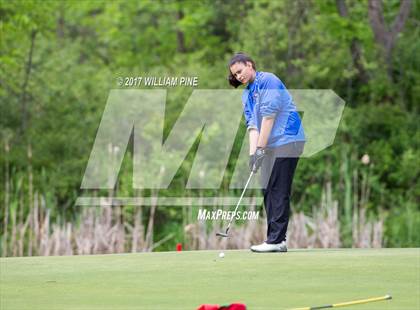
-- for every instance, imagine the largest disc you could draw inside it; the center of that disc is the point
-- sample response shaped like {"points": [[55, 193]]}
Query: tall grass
{"points": [[99, 230], [319, 230], [31, 225], [104, 229]]}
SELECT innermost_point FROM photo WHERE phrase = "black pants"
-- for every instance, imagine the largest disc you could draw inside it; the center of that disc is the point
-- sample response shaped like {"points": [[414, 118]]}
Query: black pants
{"points": [[277, 173]]}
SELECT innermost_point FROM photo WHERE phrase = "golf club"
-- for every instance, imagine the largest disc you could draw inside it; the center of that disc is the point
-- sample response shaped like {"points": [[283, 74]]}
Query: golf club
{"points": [[225, 234], [348, 303]]}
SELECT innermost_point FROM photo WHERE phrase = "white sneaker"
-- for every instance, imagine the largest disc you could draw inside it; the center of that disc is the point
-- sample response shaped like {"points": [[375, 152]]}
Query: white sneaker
{"points": [[266, 247]]}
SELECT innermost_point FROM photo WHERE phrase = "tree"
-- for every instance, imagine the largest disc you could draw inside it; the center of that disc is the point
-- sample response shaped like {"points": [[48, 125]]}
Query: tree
{"points": [[384, 36], [355, 47]]}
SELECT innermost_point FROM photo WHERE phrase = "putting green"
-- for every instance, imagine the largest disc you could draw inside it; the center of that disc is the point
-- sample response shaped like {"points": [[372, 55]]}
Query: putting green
{"points": [[184, 280]]}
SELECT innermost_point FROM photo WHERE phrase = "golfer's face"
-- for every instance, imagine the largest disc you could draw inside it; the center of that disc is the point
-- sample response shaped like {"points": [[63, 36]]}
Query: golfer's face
{"points": [[242, 72]]}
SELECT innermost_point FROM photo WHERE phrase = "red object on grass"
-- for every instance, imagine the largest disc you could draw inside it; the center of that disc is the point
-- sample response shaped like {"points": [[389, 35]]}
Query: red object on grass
{"points": [[234, 306], [208, 307], [179, 247]]}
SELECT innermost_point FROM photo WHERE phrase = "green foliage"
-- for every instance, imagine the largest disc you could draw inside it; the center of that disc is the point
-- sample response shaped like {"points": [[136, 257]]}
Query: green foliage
{"points": [[402, 225], [52, 99]]}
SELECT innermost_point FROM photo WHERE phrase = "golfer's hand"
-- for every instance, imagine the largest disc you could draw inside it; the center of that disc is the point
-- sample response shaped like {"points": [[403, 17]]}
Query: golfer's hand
{"points": [[251, 162], [256, 160]]}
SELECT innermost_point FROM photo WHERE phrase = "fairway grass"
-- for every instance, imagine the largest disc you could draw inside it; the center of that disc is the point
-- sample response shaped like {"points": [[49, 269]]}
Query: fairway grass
{"points": [[184, 280]]}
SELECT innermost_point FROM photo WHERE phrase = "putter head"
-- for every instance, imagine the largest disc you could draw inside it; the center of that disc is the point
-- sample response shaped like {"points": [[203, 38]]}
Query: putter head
{"points": [[220, 234]]}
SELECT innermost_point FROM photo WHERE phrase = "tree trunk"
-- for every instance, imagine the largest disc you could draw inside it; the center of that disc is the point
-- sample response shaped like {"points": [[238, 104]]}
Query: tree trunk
{"points": [[355, 48], [180, 35], [60, 22], [25, 83], [297, 18], [386, 37]]}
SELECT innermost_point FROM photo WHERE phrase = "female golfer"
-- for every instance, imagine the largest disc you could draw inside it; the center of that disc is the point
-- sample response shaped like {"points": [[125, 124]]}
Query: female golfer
{"points": [[276, 141]]}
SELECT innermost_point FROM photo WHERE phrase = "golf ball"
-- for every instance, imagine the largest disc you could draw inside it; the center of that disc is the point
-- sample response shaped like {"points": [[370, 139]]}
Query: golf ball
{"points": [[221, 254]]}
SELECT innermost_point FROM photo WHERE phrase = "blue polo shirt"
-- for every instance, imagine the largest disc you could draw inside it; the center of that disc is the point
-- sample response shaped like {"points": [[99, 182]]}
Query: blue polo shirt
{"points": [[267, 96]]}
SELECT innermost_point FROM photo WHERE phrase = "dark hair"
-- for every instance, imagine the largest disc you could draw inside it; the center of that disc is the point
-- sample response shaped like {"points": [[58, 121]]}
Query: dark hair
{"points": [[238, 57]]}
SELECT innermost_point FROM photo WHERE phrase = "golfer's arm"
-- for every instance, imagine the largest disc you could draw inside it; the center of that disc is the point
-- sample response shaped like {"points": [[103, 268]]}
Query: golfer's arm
{"points": [[253, 139], [266, 126]]}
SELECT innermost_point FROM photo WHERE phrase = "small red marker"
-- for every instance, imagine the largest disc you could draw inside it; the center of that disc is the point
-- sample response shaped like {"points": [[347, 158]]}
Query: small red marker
{"points": [[179, 247]]}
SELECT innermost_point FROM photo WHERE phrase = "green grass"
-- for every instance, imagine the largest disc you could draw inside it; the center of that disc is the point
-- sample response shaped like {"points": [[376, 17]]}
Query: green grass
{"points": [[171, 280]]}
